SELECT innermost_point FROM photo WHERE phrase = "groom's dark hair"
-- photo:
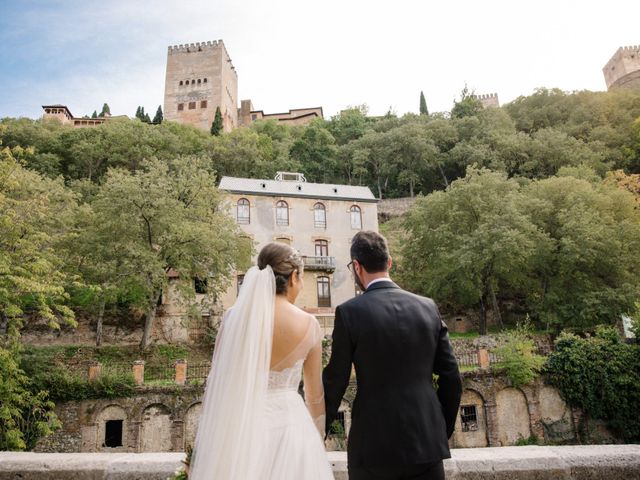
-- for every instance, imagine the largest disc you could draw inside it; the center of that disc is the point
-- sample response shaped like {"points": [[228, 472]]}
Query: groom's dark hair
{"points": [[371, 251]]}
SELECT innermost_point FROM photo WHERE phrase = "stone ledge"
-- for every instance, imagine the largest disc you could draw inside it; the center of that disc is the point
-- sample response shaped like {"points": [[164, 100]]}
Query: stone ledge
{"points": [[589, 462]]}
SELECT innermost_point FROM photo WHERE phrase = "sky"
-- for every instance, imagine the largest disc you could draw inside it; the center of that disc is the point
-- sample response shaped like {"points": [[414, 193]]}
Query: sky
{"points": [[296, 53]]}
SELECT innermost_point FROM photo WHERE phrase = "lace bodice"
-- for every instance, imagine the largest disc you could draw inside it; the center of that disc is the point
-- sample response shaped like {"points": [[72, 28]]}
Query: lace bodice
{"points": [[287, 379]]}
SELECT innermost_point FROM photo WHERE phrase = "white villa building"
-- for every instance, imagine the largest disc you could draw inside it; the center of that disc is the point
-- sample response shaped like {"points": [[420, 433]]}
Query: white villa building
{"points": [[317, 219]]}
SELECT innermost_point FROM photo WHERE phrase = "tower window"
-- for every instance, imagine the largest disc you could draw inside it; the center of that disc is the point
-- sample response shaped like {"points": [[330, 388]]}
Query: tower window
{"points": [[181, 82], [282, 213], [198, 81], [180, 107], [192, 105], [203, 104], [469, 418], [113, 433], [356, 217], [205, 80], [243, 213], [193, 82], [324, 292]]}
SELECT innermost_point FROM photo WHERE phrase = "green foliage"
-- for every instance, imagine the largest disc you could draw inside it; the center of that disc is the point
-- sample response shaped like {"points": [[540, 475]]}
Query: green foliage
{"points": [[105, 110], [26, 413], [217, 126], [423, 105], [601, 375], [158, 118], [522, 365], [36, 217], [94, 114], [468, 106], [532, 440]]}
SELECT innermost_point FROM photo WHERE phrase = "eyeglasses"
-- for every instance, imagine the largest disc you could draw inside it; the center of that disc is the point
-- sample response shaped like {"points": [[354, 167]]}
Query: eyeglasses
{"points": [[350, 266]]}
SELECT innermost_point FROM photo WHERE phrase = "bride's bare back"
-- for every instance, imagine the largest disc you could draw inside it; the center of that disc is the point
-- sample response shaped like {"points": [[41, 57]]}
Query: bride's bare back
{"points": [[297, 337]]}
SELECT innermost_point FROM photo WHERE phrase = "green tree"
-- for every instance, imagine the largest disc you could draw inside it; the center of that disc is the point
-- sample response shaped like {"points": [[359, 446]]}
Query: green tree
{"points": [[158, 118], [466, 243], [94, 114], [105, 110], [468, 106], [588, 275], [423, 105], [317, 153], [166, 217], [217, 125]]}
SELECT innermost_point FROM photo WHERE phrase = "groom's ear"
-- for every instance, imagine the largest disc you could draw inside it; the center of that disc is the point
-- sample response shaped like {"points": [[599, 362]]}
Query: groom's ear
{"points": [[389, 263]]}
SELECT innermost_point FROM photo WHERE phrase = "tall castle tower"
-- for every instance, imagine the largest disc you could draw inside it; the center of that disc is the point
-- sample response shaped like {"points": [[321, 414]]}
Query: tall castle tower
{"points": [[623, 70], [201, 77]]}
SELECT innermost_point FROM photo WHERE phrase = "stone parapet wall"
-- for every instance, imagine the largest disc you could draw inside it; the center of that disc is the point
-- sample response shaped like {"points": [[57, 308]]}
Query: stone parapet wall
{"points": [[611, 462]]}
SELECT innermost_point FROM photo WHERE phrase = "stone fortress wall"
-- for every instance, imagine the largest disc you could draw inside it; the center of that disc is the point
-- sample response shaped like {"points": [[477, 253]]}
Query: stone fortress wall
{"points": [[199, 78], [623, 69]]}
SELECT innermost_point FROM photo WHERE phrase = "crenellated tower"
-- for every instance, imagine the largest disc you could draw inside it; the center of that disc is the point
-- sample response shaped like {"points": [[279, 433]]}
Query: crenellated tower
{"points": [[201, 77], [488, 99], [623, 70]]}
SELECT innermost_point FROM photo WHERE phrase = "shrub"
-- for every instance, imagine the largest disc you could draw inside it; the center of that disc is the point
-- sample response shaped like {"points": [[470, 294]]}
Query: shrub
{"points": [[600, 375], [522, 365]]}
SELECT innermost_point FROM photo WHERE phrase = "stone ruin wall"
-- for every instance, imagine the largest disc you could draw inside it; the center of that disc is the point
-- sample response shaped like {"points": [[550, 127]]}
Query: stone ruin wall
{"points": [[159, 420]]}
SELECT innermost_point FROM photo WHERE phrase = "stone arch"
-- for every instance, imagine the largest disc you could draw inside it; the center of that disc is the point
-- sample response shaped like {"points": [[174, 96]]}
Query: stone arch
{"points": [[155, 429], [555, 416], [513, 418], [111, 413], [471, 433], [191, 419]]}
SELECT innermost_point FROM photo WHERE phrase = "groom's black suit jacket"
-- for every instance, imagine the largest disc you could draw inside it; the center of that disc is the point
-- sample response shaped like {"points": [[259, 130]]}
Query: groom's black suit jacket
{"points": [[396, 340]]}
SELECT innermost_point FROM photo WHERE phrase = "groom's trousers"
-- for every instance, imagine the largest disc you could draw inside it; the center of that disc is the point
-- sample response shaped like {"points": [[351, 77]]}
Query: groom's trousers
{"points": [[430, 471]]}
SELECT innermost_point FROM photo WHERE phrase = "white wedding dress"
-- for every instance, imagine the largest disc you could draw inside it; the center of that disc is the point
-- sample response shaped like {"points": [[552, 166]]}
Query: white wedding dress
{"points": [[254, 423]]}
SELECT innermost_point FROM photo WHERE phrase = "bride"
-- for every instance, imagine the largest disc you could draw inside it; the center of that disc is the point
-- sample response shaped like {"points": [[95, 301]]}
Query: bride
{"points": [[254, 424]]}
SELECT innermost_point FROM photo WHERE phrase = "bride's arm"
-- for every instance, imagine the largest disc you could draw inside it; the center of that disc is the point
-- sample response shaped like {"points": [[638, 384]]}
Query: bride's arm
{"points": [[313, 390]]}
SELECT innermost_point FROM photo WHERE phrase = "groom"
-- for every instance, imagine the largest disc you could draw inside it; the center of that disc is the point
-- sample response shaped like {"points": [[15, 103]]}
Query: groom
{"points": [[396, 340]]}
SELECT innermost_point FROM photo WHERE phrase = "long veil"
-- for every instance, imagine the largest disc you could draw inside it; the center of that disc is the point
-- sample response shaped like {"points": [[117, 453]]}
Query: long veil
{"points": [[228, 441]]}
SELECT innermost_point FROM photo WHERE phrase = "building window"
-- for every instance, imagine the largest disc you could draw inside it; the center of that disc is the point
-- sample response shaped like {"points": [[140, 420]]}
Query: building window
{"points": [[324, 292], [181, 82], [203, 104], [205, 80], [284, 240], [200, 285], [180, 107], [113, 433], [322, 248], [282, 213], [198, 81], [319, 216], [254, 117], [193, 82], [240, 280], [356, 217], [243, 214], [192, 105], [469, 418]]}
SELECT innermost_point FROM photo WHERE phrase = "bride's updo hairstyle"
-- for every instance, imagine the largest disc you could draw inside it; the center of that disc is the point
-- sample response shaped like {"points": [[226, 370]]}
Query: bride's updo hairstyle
{"points": [[283, 260]]}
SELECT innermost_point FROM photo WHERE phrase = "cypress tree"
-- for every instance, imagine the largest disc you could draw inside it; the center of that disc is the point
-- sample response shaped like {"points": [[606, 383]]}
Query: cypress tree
{"points": [[94, 114], [138, 114], [105, 110], [216, 126], [146, 118], [423, 105], [159, 117]]}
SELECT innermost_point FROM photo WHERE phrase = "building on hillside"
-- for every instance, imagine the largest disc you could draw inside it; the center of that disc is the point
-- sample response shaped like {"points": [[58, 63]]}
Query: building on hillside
{"points": [[62, 114], [319, 220], [299, 116], [488, 99], [200, 77], [623, 69]]}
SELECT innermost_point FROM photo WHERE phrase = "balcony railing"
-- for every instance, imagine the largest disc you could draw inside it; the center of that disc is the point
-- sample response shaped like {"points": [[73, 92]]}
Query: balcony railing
{"points": [[327, 264]]}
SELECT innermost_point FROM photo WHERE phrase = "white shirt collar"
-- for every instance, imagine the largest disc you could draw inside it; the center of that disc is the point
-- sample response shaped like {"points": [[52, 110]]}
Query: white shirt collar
{"points": [[381, 279]]}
